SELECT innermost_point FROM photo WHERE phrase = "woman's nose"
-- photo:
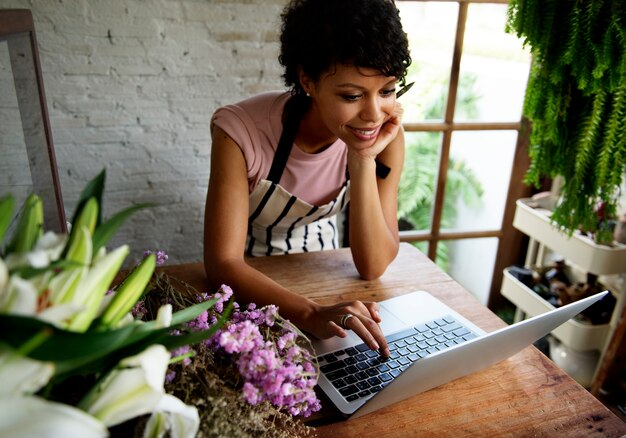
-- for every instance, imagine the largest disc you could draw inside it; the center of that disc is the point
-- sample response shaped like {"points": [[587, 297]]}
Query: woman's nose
{"points": [[372, 110]]}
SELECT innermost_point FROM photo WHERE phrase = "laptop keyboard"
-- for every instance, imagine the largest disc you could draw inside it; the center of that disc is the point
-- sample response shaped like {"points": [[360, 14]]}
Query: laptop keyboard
{"points": [[359, 372]]}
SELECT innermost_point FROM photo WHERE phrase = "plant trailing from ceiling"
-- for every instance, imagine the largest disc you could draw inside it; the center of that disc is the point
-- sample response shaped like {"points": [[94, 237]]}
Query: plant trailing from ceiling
{"points": [[576, 101]]}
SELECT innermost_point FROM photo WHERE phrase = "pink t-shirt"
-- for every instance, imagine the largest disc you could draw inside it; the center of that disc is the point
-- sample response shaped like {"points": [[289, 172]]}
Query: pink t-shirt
{"points": [[255, 124]]}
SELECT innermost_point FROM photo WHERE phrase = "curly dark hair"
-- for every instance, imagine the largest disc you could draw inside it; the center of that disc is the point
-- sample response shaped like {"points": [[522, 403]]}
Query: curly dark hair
{"points": [[316, 34]]}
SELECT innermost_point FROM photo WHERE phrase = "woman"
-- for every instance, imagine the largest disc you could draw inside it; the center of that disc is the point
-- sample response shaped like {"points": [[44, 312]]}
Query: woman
{"points": [[284, 163]]}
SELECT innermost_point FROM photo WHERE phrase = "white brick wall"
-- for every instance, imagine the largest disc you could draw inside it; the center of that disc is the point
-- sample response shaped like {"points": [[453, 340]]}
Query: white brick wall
{"points": [[131, 86]]}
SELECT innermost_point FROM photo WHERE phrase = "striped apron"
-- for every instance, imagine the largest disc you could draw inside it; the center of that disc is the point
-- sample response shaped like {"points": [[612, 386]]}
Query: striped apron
{"points": [[281, 223]]}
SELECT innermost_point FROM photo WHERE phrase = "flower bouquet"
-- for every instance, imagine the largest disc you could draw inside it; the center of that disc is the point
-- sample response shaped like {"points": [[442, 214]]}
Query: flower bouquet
{"points": [[91, 359], [251, 377]]}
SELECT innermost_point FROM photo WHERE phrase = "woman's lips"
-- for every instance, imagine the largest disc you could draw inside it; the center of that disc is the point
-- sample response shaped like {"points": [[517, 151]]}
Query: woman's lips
{"points": [[365, 134]]}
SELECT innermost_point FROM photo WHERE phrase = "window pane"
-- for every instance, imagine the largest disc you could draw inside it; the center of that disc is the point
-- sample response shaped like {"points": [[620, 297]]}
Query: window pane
{"points": [[471, 262], [430, 27], [494, 68], [416, 193], [478, 179]]}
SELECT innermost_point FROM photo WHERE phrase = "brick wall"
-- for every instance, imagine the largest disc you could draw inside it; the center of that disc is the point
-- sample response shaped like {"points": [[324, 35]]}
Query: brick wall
{"points": [[131, 86]]}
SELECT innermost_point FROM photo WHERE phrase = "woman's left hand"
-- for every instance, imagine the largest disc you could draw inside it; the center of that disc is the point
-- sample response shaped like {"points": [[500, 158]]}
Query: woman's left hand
{"points": [[388, 132]]}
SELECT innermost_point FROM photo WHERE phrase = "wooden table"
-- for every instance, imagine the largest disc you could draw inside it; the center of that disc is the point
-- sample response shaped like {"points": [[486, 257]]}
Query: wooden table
{"points": [[525, 395]]}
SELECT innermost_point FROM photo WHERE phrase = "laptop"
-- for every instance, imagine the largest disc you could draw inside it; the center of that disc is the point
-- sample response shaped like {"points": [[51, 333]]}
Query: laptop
{"points": [[430, 345]]}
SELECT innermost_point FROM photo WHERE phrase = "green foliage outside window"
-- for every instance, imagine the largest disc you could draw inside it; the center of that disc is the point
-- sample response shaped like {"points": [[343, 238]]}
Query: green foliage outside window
{"points": [[416, 193]]}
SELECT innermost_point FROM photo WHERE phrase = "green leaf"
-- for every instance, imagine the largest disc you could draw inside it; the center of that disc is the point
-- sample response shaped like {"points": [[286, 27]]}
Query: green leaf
{"points": [[192, 312], [62, 345], [189, 338], [93, 189], [97, 350], [7, 205], [145, 335], [27, 272], [192, 338], [183, 315], [572, 100], [29, 227], [105, 231]]}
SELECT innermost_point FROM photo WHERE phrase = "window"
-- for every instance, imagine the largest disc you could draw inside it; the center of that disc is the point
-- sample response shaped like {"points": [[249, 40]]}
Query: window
{"points": [[465, 155]]}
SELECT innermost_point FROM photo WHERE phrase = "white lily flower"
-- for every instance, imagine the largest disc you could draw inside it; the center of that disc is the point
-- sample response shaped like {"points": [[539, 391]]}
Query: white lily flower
{"points": [[157, 425], [52, 245], [61, 314], [172, 414], [164, 316], [36, 417], [47, 249], [63, 285], [41, 281], [126, 320], [133, 388], [18, 297], [21, 375]]}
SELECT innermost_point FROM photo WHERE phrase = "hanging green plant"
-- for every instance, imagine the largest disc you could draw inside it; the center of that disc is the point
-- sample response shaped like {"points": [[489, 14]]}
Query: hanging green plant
{"points": [[576, 101]]}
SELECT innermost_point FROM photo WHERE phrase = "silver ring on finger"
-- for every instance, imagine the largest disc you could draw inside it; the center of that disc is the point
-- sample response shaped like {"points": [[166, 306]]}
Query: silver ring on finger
{"points": [[344, 321]]}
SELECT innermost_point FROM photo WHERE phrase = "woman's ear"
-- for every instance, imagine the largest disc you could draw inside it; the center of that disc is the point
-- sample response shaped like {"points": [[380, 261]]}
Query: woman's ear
{"points": [[305, 82]]}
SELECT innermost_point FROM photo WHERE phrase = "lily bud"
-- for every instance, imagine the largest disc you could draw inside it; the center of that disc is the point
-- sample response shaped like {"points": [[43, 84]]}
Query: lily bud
{"points": [[129, 292], [164, 316], [30, 226], [88, 216], [81, 247], [95, 284]]}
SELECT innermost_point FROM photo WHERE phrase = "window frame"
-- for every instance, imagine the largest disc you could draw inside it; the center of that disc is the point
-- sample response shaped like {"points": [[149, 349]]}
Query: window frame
{"points": [[510, 241]]}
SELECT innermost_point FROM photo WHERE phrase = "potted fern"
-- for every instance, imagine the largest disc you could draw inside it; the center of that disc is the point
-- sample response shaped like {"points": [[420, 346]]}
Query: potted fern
{"points": [[576, 102]]}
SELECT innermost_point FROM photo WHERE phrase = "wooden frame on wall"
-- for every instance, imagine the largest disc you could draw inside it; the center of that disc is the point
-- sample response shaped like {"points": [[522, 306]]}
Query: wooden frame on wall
{"points": [[18, 31]]}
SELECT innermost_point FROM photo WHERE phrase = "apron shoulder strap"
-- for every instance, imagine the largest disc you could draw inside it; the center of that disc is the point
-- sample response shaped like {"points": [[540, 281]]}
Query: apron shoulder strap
{"points": [[294, 110]]}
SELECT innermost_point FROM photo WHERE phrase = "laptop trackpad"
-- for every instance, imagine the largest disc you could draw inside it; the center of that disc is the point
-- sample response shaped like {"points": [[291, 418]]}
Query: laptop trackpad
{"points": [[390, 322], [397, 314], [413, 308]]}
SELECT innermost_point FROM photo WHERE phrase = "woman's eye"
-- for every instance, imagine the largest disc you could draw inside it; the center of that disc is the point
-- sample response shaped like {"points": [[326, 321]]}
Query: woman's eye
{"points": [[389, 92], [350, 97]]}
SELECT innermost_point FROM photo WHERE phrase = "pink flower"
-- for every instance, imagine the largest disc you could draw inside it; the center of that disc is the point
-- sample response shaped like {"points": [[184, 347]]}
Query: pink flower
{"points": [[161, 256], [240, 337], [286, 339], [250, 393], [273, 366]]}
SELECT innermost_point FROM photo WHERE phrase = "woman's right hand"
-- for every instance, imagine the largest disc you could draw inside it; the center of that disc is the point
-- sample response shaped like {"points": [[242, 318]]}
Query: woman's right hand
{"points": [[325, 322]]}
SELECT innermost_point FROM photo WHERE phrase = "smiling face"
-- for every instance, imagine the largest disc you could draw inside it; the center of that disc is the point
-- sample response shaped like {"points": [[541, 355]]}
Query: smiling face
{"points": [[351, 103]]}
